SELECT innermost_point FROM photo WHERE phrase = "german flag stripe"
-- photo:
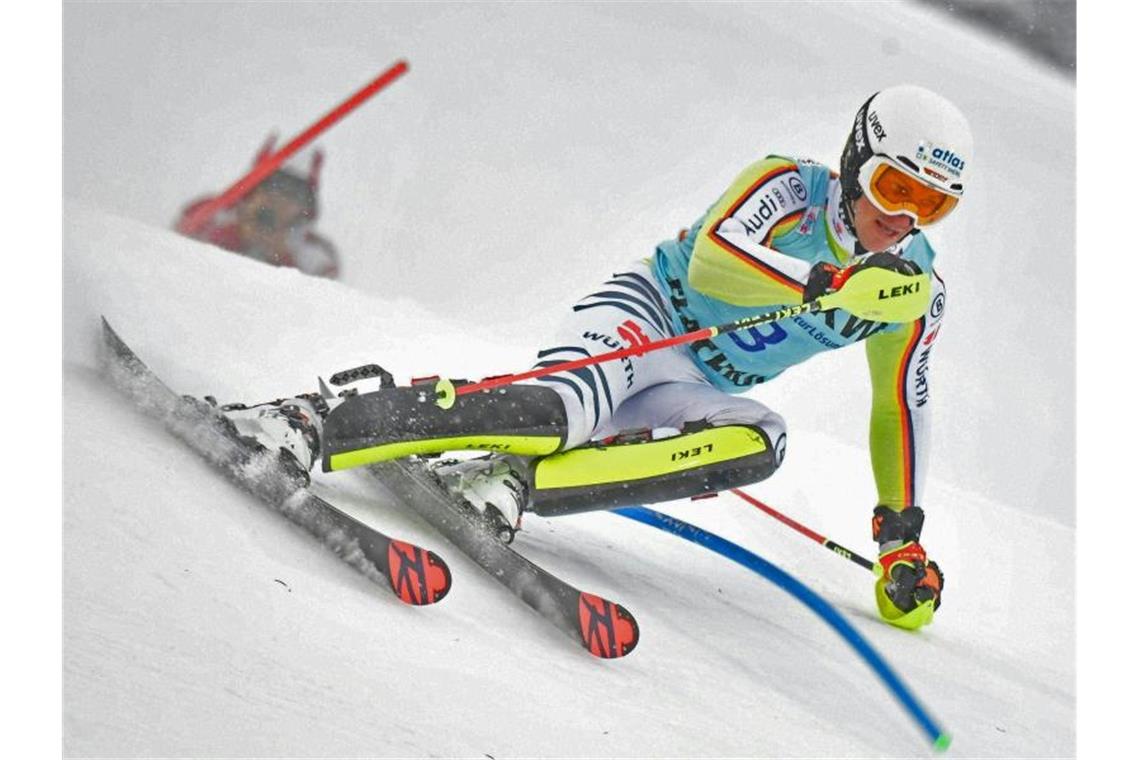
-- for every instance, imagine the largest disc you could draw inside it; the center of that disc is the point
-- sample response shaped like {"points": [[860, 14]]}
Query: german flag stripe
{"points": [[784, 226], [771, 272], [744, 256], [906, 421]]}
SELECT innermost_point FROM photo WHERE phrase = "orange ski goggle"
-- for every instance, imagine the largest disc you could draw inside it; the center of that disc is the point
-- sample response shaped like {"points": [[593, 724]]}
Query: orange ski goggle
{"points": [[893, 191]]}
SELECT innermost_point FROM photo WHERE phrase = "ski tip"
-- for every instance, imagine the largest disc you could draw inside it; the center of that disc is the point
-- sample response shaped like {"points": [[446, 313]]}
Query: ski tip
{"points": [[942, 743], [608, 629], [417, 576], [113, 348], [109, 334]]}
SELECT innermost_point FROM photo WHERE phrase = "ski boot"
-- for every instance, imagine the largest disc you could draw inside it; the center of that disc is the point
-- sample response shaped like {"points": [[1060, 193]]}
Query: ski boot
{"points": [[291, 427], [492, 486]]}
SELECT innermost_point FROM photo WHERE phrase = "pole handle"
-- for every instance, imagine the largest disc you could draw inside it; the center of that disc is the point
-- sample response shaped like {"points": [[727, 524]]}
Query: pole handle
{"points": [[881, 295]]}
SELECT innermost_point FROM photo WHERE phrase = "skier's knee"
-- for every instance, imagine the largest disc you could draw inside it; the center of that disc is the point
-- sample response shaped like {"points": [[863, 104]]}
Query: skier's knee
{"points": [[775, 430], [759, 464]]}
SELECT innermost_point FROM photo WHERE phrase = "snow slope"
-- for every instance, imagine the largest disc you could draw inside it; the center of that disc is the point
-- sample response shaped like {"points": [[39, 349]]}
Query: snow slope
{"points": [[199, 623]]}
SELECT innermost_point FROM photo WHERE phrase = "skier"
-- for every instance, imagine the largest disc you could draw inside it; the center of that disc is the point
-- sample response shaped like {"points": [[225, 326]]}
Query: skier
{"points": [[670, 424], [274, 222]]}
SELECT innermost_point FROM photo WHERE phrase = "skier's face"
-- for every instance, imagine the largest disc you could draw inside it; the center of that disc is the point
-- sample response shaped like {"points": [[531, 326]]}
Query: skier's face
{"points": [[878, 231]]}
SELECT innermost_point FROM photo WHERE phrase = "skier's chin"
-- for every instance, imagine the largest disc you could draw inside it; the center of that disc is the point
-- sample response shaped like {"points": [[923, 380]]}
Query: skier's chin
{"points": [[879, 243], [878, 232]]}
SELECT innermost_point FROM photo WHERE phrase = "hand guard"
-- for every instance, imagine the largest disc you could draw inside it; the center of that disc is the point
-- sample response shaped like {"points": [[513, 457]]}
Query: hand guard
{"points": [[827, 278], [910, 587]]}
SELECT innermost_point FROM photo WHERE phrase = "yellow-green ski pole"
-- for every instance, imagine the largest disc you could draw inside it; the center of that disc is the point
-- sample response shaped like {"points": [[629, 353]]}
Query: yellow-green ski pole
{"points": [[871, 293]]}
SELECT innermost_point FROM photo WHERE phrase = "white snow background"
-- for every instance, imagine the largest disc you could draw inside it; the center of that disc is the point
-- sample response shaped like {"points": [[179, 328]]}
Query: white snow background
{"points": [[530, 151]]}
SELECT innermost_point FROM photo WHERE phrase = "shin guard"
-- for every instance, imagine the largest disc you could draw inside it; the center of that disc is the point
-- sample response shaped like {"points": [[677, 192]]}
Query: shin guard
{"points": [[644, 471], [391, 423]]}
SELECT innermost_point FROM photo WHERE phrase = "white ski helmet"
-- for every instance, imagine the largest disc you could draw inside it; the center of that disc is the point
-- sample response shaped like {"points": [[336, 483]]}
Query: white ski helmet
{"points": [[914, 131]]}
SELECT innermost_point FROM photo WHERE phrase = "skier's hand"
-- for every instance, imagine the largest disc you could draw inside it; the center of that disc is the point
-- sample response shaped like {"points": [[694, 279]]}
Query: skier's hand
{"points": [[909, 589], [827, 278], [886, 261], [820, 281]]}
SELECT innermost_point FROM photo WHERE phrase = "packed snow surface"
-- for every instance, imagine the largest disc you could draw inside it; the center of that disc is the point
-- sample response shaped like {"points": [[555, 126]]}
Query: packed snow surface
{"points": [[530, 151]]}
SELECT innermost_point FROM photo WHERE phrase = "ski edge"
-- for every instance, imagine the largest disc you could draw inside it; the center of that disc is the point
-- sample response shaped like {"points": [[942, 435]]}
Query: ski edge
{"points": [[415, 575]]}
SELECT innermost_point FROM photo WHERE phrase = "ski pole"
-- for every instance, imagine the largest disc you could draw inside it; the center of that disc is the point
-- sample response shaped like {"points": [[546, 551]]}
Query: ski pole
{"points": [[842, 551], [238, 190], [871, 293], [934, 732]]}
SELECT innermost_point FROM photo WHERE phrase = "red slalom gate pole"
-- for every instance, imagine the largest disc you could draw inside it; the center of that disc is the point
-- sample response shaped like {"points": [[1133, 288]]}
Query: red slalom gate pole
{"points": [[243, 186], [842, 551]]}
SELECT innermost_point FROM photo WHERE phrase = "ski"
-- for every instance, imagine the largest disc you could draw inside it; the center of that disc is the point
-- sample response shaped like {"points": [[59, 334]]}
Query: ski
{"points": [[604, 628], [415, 575]]}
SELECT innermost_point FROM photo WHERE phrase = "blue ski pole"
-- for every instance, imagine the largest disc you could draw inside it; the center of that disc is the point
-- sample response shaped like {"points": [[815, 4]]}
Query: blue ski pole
{"points": [[814, 601]]}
